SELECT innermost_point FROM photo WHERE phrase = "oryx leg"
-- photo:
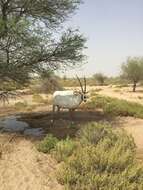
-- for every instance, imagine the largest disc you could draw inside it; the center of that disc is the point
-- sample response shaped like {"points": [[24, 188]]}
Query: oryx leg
{"points": [[72, 113], [54, 108], [53, 113], [58, 108]]}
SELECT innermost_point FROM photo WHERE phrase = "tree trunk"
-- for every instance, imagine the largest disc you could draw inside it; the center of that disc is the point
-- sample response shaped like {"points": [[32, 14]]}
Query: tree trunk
{"points": [[134, 86]]}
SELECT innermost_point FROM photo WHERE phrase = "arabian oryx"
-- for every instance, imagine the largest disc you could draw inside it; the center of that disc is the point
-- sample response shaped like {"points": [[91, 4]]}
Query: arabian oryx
{"points": [[70, 99]]}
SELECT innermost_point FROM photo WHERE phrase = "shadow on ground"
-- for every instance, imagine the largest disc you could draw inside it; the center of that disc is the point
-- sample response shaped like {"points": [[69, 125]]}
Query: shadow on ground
{"points": [[63, 124]]}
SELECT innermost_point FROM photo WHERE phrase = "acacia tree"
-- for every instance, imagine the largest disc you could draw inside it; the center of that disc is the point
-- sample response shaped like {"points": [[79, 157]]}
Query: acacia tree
{"points": [[133, 70], [29, 38], [100, 78]]}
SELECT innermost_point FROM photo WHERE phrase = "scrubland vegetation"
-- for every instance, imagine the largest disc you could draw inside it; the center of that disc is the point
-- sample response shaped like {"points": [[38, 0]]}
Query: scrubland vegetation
{"points": [[21, 105], [64, 149], [99, 78], [100, 157], [115, 106], [46, 84], [133, 70], [47, 144], [35, 43], [37, 98]]}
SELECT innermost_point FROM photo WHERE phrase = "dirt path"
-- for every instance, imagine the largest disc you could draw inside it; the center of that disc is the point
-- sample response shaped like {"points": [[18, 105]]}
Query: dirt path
{"points": [[22, 167], [121, 93], [134, 126]]}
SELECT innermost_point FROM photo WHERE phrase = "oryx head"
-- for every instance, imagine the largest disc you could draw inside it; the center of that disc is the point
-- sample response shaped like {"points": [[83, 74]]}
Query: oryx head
{"points": [[83, 91]]}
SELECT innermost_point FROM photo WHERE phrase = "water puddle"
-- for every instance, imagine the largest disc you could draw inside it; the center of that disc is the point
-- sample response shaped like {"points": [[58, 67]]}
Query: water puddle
{"points": [[12, 124], [34, 132]]}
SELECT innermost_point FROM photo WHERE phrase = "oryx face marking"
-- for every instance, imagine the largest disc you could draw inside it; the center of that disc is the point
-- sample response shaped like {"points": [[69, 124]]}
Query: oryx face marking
{"points": [[84, 98]]}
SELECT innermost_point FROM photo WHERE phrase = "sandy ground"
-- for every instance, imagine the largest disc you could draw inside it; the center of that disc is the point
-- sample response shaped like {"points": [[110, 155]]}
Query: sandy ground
{"points": [[24, 98], [22, 167], [112, 91], [134, 127], [124, 93]]}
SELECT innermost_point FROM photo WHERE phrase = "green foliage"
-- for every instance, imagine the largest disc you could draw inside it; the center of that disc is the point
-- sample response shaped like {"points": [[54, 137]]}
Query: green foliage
{"points": [[47, 144], [133, 70], [107, 162], [140, 97], [71, 82], [93, 93], [117, 81], [121, 85], [116, 107], [9, 86], [37, 98], [21, 105], [31, 107], [48, 83], [64, 149], [94, 132], [28, 44], [99, 78], [117, 90]]}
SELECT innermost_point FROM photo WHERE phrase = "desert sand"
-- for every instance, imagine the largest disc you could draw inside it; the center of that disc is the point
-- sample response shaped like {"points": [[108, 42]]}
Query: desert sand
{"points": [[22, 167]]}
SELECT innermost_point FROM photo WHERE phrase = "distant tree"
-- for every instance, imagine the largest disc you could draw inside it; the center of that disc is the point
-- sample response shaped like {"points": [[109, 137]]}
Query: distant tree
{"points": [[99, 78], [133, 70]]}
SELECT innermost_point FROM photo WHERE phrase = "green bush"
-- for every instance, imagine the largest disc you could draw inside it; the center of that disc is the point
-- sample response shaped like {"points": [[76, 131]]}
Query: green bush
{"points": [[115, 106], [64, 149], [37, 98], [21, 105], [117, 90], [93, 93], [47, 144], [10, 86], [140, 97], [46, 84], [105, 163], [93, 133], [122, 85]]}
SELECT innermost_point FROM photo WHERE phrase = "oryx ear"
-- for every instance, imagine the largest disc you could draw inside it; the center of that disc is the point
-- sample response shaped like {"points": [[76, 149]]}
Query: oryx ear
{"points": [[76, 92]]}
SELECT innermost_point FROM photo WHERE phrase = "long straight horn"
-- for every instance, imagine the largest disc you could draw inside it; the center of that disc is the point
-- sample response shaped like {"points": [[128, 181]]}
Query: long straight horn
{"points": [[84, 84], [80, 83]]}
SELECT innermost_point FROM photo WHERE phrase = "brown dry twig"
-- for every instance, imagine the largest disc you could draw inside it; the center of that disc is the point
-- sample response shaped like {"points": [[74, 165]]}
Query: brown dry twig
{"points": [[4, 145]]}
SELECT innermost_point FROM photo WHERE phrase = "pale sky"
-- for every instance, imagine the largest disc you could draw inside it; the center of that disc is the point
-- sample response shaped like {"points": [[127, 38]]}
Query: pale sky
{"points": [[114, 31]]}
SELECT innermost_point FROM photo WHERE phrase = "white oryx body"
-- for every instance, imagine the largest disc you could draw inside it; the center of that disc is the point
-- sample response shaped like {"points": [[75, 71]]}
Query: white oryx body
{"points": [[67, 99]]}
